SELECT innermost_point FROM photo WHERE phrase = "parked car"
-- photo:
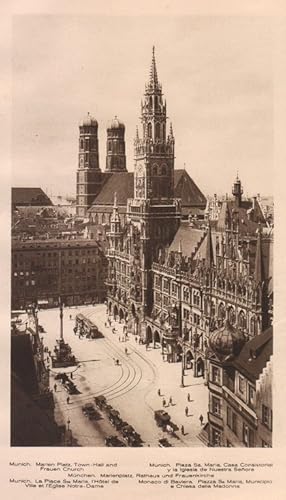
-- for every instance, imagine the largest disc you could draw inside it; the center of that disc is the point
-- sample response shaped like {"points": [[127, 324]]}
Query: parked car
{"points": [[164, 443], [100, 401], [114, 441], [90, 412], [162, 418]]}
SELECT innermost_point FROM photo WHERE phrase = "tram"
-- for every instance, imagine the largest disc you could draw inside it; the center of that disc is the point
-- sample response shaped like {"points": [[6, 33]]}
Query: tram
{"points": [[85, 327]]}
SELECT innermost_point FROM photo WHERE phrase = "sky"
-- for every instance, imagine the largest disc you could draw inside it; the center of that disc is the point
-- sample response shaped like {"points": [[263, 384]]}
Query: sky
{"points": [[216, 74]]}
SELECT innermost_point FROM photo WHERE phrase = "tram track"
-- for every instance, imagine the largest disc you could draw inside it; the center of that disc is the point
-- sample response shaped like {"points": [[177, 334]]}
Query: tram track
{"points": [[133, 369]]}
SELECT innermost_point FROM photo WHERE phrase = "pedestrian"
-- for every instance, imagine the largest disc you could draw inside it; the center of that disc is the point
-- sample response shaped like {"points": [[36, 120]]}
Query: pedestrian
{"points": [[136, 338], [68, 400], [55, 387], [71, 375], [189, 397], [201, 419], [164, 402], [159, 392], [117, 361], [126, 350], [182, 430], [186, 411], [70, 316], [170, 401]]}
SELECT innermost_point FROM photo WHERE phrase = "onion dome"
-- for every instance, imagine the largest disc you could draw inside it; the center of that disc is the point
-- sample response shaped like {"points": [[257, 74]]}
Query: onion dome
{"points": [[227, 341], [89, 121], [115, 124]]}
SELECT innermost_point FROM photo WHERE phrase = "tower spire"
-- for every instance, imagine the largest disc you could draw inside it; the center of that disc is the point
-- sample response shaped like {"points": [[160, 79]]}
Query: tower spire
{"points": [[153, 71]]}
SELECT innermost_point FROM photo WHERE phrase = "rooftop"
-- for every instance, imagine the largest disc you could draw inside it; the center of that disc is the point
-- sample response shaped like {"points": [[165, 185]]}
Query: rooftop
{"points": [[29, 196], [255, 354]]}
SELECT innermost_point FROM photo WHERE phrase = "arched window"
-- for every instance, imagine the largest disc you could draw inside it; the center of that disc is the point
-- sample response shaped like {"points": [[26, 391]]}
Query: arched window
{"points": [[221, 311], [253, 325], [154, 170], [242, 320], [157, 131], [231, 315], [149, 130]]}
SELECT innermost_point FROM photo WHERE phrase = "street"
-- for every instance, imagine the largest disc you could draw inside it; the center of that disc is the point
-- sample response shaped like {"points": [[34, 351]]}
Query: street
{"points": [[131, 387]]}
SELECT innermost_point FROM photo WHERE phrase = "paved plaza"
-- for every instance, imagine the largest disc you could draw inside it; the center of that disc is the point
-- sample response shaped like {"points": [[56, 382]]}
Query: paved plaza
{"points": [[130, 387]]}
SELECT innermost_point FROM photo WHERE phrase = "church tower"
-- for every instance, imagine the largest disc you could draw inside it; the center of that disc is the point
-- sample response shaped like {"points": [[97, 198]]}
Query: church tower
{"points": [[115, 147], [88, 174], [153, 211], [154, 151]]}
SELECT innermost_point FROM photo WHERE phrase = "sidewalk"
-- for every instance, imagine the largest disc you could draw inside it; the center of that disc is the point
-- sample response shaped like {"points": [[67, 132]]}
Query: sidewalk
{"points": [[169, 381]]}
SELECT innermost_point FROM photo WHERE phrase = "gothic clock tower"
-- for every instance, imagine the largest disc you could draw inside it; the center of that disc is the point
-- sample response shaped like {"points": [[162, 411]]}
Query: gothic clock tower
{"points": [[153, 209]]}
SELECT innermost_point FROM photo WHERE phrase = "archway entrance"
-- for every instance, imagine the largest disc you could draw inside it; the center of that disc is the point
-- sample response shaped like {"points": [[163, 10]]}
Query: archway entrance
{"points": [[115, 311], [200, 368], [121, 315], [148, 335], [156, 338], [189, 360]]}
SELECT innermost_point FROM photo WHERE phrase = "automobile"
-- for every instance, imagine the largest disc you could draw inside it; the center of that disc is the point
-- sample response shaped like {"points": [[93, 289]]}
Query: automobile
{"points": [[114, 441], [70, 387], [90, 412], [100, 402], [164, 443], [134, 440], [162, 418]]}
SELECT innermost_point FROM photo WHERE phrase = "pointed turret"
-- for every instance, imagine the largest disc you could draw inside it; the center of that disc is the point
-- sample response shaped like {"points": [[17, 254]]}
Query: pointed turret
{"points": [[209, 259], [259, 267], [153, 82]]}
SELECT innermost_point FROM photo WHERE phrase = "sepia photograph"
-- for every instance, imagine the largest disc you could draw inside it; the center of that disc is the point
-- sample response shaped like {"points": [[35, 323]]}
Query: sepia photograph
{"points": [[142, 231]]}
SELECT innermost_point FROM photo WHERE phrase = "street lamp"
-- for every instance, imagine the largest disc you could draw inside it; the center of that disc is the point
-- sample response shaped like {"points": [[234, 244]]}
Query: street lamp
{"points": [[68, 422], [183, 365]]}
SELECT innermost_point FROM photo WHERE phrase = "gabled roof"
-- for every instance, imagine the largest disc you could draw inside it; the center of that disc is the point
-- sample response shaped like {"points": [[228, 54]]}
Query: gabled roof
{"points": [[188, 237], [254, 355], [187, 190], [123, 184], [29, 196], [247, 216]]}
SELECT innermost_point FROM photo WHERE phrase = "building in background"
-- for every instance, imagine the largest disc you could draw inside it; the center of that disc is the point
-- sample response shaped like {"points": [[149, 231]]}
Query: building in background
{"points": [[29, 197], [32, 408], [43, 271], [240, 388]]}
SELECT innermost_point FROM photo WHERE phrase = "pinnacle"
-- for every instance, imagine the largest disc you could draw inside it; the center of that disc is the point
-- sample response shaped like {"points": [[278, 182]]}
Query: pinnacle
{"points": [[153, 70]]}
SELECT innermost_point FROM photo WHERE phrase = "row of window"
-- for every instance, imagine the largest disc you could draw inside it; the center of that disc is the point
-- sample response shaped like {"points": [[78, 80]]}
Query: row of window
{"points": [[247, 437]]}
